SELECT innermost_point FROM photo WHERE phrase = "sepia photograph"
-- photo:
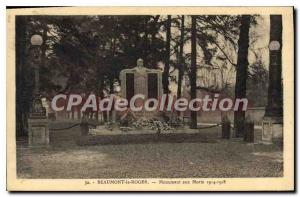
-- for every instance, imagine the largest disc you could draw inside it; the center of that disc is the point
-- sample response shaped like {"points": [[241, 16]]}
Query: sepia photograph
{"points": [[150, 99]]}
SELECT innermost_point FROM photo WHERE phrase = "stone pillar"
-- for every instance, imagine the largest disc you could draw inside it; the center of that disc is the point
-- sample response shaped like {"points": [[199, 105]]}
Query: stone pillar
{"points": [[113, 116], [274, 107], [272, 129]]}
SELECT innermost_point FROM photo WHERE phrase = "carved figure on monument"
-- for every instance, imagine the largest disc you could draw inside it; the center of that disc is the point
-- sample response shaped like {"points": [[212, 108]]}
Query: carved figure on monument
{"points": [[140, 68]]}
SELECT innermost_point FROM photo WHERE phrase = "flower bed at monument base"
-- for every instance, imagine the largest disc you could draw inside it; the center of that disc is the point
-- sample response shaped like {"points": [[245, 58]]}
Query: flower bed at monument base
{"points": [[143, 138]]}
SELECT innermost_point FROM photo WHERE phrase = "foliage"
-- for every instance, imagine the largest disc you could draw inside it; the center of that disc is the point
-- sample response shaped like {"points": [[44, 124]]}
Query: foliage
{"points": [[257, 83], [175, 121], [152, 124], [109, 126], [84, 54]]}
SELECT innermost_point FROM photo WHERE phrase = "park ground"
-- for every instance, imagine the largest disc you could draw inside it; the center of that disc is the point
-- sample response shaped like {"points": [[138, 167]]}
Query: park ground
{"points": [[218, 157]]}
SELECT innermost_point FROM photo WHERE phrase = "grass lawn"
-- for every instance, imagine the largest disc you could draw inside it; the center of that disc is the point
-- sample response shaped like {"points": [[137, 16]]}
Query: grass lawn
{"points": [[222, 158]]}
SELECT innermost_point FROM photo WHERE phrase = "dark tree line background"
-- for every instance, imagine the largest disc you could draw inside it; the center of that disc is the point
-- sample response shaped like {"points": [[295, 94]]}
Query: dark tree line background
{"points": [[86, 53]]}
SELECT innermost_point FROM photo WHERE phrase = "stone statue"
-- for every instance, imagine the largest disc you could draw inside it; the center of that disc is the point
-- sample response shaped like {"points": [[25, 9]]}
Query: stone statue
{"points": [[140, 63], [140, 68]]}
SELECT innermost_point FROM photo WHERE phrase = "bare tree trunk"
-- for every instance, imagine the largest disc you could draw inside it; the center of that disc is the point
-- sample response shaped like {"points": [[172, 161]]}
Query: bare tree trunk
{"points": [[181, 63], [98, 95], [22, 106], [153, 34], [241, 74], [193, 74], [165, 79]]}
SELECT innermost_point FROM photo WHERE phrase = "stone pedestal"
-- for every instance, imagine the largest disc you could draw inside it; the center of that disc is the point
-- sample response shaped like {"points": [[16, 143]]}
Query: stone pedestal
{"points": [[272, 130], [38, 131]]}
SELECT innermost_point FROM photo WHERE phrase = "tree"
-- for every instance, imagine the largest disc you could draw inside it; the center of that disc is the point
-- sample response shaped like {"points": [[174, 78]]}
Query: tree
{"points": [[165, 78], [217, 40], [257, 81], [23, 87], [193, 73], [85, 46], [101, 46], [241, 73], [181, 60]]}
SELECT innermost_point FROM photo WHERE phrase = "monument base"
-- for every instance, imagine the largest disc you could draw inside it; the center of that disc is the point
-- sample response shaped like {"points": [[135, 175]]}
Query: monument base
{"points": [[272, 130], [38, 132], [103, 136]]}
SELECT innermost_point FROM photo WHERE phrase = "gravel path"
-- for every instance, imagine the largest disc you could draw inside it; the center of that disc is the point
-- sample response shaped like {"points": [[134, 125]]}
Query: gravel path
{"points": [[223, 158]]}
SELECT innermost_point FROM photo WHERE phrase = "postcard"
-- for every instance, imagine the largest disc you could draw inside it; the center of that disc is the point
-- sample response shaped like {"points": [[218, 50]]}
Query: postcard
{"points": [[150, 99]]}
